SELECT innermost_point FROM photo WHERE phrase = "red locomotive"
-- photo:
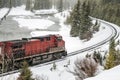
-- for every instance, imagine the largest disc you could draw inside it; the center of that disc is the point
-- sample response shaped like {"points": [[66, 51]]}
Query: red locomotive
{"points": [[33, 50]]}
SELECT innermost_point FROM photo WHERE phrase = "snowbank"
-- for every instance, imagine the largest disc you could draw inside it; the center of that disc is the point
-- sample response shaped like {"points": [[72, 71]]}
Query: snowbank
{"points": [[20, 11], [48, 11], [112, 74], [34, 23]]}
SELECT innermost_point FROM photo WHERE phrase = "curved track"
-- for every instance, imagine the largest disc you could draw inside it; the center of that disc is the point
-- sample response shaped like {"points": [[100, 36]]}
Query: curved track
{"points": [[114, 34]]}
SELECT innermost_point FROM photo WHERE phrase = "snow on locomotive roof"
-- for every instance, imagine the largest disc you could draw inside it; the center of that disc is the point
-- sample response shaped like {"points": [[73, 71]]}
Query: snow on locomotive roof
{"points": [[37, 38], [16, 41], [31, 39], [42, 36]]}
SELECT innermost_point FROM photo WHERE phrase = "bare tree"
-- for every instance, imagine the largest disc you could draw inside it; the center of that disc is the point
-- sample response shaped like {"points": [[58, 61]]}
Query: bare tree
{"points": [[84, 68]]}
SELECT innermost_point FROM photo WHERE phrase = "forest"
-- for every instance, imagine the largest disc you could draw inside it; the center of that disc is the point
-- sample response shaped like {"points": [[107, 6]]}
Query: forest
{"points": [[39, 4], [104, 9], [108, 10], [79, 19]]}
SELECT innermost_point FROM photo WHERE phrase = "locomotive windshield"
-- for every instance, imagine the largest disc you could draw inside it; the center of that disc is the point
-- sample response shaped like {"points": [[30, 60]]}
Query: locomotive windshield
{"points": [[59, 38]]}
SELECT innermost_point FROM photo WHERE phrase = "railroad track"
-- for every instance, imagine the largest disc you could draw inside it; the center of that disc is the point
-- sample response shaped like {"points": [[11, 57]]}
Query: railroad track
{"points": [[114, 35]]}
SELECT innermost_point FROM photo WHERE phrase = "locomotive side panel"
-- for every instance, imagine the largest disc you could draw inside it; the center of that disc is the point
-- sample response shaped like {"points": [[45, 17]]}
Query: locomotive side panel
{"points": [[27, 48], [8, 49], [15, 49], [32, 47], [39, 45]]}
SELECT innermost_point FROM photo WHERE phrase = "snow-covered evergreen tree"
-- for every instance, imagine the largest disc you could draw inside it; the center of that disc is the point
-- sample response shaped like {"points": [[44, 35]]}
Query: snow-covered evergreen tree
{"points": [[80, 21], [110, 61], [84, 32], [75, 20], [25, 73]]}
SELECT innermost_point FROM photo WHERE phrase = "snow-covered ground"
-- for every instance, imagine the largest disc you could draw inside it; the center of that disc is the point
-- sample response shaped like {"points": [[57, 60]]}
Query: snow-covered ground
{"points": [[72, 44], [34, 23], [20, 11], [112, 74], [49, 11]]}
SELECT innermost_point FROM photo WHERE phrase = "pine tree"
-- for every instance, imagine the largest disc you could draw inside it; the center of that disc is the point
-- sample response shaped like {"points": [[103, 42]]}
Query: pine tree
{"points": [[85, 20], [110, 61], [42, 4], [117, 61], [37, 4], [18, 2], [107, 10], [28, 5], [25, 73], [75, 20], [60, 6], [80, 21], [0, 3], [46, 4]]}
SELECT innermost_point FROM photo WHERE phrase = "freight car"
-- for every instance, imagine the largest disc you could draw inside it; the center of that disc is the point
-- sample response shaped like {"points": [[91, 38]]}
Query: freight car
{"points": [[34, 50]]}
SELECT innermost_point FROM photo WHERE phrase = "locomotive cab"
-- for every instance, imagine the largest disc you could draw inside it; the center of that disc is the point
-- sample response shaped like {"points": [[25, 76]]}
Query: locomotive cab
{"points": [[60, 41], [59, 38], [61, 44]]}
